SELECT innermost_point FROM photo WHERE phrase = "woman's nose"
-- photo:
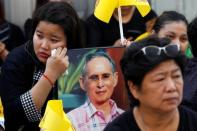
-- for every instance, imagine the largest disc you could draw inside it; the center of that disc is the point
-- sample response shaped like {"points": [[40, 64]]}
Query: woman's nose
{"points": [[170, 85], [176, 41], [45, 44]]}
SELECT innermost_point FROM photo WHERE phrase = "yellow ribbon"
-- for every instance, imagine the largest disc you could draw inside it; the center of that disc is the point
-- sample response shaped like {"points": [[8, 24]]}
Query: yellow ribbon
{"points": [[54, 118], [105, 8], [1, 109]]}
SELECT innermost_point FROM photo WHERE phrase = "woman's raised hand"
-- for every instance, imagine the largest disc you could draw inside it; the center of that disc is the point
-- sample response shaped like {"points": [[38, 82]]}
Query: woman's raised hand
{"points": [[57, 63]]}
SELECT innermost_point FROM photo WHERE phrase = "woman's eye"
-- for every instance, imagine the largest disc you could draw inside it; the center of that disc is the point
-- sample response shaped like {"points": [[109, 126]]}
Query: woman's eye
{"points": [[160, 79], [170, 37], [184, 39], [176, 76], [39, 35], [54, 40]]}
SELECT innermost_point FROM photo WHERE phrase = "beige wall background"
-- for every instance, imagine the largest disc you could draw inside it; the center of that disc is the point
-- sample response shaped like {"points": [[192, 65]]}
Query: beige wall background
{"points": [[17, 11], [186, 7]]}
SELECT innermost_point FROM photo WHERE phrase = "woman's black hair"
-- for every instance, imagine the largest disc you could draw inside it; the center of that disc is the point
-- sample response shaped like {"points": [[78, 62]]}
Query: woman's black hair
{"points": [[40, 3], [135, 68], [62, 14], [167, 17]]}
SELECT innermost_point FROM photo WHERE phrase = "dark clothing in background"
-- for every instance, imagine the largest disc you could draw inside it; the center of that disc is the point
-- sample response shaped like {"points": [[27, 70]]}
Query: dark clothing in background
{"points": [[100, 34], [11, 35], [190, 84], [127, 122]]}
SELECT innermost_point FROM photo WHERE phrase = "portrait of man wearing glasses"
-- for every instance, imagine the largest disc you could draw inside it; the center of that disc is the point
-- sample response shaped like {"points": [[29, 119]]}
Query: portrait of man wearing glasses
{"points": [[98, 79]]}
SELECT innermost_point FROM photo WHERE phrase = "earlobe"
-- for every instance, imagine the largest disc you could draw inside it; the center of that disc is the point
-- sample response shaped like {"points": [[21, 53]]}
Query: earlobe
{"points": [[115, 78], [81, 82], [133, 89]]}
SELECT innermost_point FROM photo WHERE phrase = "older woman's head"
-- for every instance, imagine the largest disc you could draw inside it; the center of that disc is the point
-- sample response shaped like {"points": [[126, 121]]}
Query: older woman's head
{"points": [[152, 69], [173, 25]]}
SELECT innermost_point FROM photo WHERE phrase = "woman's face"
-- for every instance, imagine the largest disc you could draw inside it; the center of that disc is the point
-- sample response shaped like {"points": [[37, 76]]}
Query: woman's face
{"points": [[47, 36], [125, 10], [161, 88], [177, 32]]}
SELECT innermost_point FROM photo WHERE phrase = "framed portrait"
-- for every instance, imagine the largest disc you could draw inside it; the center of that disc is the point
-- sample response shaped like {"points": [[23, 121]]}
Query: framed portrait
{"points": [[68, 84]]}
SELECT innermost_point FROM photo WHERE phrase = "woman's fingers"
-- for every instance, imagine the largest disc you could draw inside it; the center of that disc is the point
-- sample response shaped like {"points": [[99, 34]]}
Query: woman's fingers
{"points": [[59, 52], [63, 52], [58, 62], [66, 61]]}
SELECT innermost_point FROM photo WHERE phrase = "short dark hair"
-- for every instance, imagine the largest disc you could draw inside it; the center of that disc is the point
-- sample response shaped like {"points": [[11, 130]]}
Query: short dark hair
{"points": [[192, 35], [135, 69], [91, 56], [63, 14], [39, 3], [167, 17], [2, 13]]}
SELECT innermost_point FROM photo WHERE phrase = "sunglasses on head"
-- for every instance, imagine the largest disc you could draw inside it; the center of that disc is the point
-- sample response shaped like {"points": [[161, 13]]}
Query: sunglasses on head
{"points": [[152, 51]]}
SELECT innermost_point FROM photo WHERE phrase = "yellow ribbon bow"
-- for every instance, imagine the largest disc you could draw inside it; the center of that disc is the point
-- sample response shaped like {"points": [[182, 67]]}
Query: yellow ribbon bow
{"points": [[54, 118], [105, 8]]}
